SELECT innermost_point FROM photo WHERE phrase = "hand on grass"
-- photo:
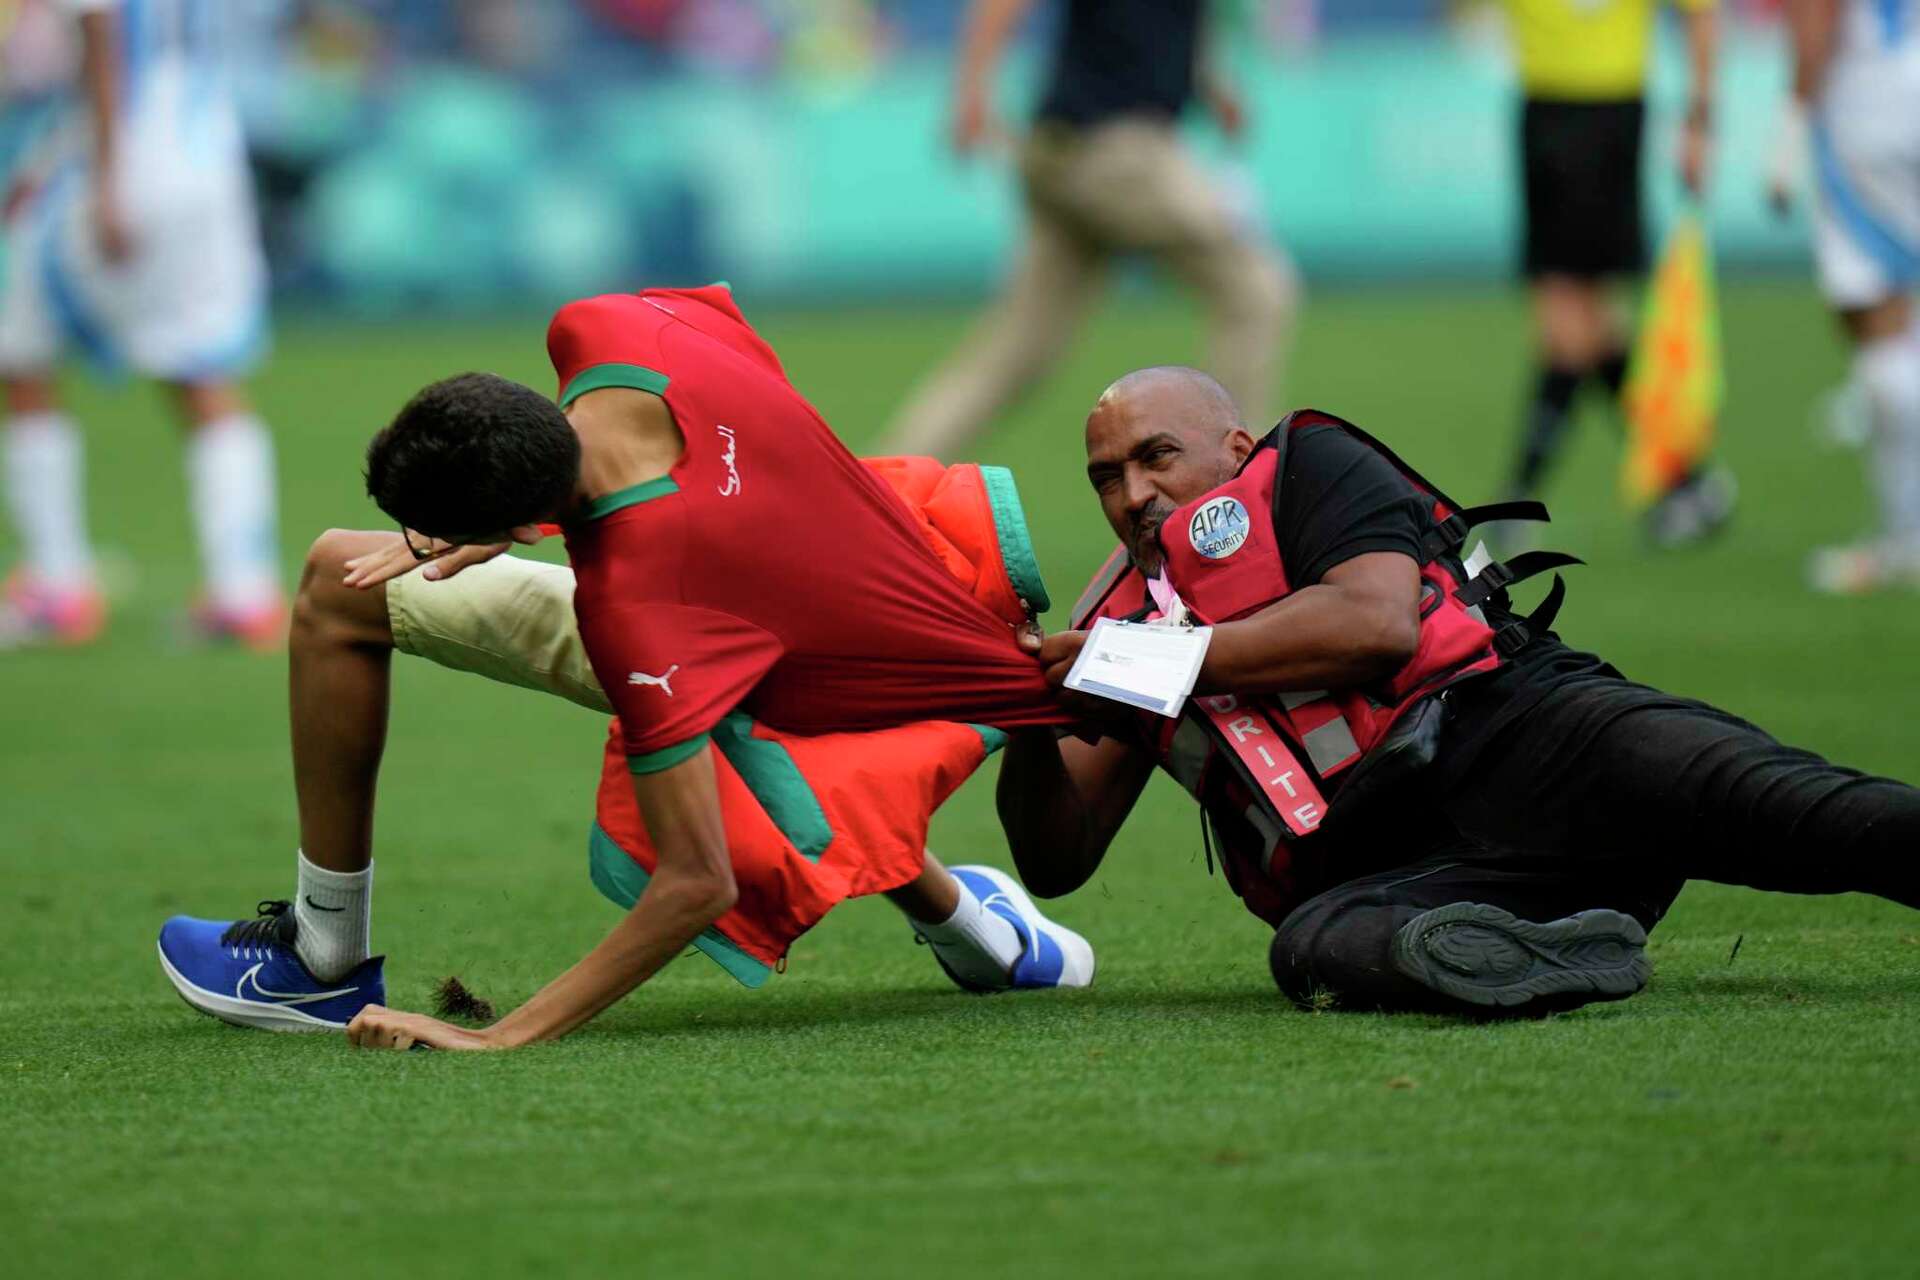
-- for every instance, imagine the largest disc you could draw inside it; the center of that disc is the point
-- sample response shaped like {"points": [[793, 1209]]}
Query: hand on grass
{"points": [[377, 1027]]}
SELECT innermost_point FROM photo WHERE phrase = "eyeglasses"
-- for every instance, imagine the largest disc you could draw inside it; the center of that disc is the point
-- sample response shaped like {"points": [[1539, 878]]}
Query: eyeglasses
{"points": [[423, 553]]}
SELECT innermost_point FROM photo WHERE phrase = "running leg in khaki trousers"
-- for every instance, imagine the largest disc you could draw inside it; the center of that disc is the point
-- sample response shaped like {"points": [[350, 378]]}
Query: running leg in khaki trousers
{"points": [[1126, 186]]}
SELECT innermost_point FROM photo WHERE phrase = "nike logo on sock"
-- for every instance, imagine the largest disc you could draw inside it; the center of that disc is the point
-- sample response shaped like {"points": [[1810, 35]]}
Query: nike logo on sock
{"points": [[317, 907]]}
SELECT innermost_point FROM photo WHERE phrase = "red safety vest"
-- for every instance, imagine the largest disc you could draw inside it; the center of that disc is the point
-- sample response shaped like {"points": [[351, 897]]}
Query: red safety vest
{"points": [[1268, 766]]}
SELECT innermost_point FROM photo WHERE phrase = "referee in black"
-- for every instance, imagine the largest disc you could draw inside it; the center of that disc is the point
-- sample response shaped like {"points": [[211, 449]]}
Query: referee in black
{"points": [[1583, 70]]}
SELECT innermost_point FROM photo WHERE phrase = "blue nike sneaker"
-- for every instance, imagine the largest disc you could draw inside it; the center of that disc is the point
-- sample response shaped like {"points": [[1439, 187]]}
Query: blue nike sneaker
{"points": [[1054, 956], [245, 972]]}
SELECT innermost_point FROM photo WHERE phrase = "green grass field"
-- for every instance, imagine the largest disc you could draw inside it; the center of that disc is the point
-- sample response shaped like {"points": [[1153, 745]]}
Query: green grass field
{"points": [[1749, 1115]]}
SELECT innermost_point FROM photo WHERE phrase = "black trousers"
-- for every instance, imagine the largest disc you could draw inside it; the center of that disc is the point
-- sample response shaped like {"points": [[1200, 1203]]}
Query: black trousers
{"points": [[1604, 794]]}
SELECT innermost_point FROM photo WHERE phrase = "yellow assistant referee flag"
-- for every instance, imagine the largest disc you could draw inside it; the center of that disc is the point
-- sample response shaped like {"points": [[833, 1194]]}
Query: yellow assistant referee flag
{"points": [[1674, 384]]}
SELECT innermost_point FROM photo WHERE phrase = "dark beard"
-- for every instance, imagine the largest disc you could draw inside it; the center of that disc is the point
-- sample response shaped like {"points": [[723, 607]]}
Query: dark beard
{"points": [[1145, 529]]}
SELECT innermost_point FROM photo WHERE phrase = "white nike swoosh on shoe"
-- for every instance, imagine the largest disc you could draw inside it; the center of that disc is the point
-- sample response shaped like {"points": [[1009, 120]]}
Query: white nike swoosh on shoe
{"points": [[1033, 934], [282, 997]]}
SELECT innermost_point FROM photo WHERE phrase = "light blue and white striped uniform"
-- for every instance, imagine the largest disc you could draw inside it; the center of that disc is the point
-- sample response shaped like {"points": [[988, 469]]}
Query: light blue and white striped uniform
{"points": [[1866, 138], [191, 302]]}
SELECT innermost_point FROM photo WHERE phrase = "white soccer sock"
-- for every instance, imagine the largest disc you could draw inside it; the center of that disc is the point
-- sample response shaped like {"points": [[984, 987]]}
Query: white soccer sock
{"points": [[974, 942], [334, 911], [46, 495], [1889, 370], [230, 480]]}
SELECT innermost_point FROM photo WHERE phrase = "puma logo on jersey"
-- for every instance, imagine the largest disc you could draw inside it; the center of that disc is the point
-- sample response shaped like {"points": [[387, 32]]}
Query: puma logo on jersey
{"points": [[659, 681], [732, 486]]}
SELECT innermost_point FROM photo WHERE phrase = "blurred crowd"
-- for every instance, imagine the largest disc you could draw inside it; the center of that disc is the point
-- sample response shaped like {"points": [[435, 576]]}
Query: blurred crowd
{"points": [[418, 151]]}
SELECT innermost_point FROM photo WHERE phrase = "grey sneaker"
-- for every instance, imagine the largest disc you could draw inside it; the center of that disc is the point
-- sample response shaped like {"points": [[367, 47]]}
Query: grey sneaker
{"points": [[1694, 510], [1487, 956]]}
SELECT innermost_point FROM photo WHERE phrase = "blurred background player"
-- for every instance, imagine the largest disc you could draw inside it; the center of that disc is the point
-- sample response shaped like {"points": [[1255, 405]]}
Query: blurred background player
{"points": [[1856, 101], [1583, 71], [1103, 171], [130, 233]]}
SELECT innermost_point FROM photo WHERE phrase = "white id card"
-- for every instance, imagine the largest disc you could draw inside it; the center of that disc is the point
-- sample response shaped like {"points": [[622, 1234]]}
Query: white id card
{"points": [[1141, 665]]}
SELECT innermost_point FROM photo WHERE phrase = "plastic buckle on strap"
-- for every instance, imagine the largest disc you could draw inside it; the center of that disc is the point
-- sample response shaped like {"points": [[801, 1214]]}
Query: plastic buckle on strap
{"points": [[1491, 579], [1448, 535], [1516, 635], [1511, 639], [1501, 573]]}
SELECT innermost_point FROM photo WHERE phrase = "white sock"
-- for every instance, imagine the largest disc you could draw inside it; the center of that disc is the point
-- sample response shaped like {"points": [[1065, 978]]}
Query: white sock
{"points": [[974, 942], [46, 495], [230, 481], [1889, 369], [334, 910]]}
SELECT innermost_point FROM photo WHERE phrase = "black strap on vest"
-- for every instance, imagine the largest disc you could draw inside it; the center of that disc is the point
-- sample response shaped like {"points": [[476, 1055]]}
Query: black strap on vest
{"points": [[1502, 574], [1516, 635], [1451, 534]]}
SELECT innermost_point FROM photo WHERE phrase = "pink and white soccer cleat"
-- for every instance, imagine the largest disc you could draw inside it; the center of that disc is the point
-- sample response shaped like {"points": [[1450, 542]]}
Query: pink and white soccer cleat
{"points": [[261, 627], [35, 614], [1863, 569]]}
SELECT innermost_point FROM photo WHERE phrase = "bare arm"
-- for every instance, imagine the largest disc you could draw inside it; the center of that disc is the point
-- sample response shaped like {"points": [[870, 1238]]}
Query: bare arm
{"points": [[1216, 89], [1703, 40], [1703, 36], [100, 73], [1358, 624], [1061, 803], [1811, 28], [990, 25], [692, 886]]}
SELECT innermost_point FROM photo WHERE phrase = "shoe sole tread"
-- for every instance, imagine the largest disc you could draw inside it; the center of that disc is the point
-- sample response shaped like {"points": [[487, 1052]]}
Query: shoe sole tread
{"points": [[1470, 951]]}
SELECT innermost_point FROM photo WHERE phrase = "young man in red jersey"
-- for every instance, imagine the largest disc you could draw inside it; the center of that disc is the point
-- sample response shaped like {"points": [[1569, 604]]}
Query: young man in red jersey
{"points": [[745, 590]]}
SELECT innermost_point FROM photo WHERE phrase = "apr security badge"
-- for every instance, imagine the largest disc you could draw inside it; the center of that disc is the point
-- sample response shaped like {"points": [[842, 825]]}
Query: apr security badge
{"points": [[1145, 666], [1219, 528]]}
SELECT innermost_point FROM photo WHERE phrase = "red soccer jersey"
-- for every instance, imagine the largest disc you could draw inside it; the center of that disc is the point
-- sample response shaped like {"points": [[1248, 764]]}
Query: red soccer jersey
{"points": [[770, 571]]}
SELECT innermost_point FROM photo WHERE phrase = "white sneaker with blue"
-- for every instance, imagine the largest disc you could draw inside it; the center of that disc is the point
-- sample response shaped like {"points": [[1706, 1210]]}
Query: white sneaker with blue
{"points": [[1051, 955], [246, 972]]}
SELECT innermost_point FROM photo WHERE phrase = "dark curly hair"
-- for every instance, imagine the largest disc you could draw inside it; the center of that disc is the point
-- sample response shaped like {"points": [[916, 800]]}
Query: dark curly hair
{"points": [[474, 454]]}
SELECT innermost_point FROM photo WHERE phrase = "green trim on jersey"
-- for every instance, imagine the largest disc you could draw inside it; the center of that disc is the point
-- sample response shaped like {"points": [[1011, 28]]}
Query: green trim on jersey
{"points": [[666, 757], [622, 880], [991, 738], [632, 496], [777, 783], [1016, 544], [636, 377]]}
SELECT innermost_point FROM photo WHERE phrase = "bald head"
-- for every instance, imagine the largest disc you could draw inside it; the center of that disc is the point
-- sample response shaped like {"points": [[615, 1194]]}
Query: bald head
{"points": [[1156, 439], [1173, 395]]}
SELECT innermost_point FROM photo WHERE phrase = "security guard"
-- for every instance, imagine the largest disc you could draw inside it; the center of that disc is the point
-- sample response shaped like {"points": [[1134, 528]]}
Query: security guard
{"points": [[1437, 803]]}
